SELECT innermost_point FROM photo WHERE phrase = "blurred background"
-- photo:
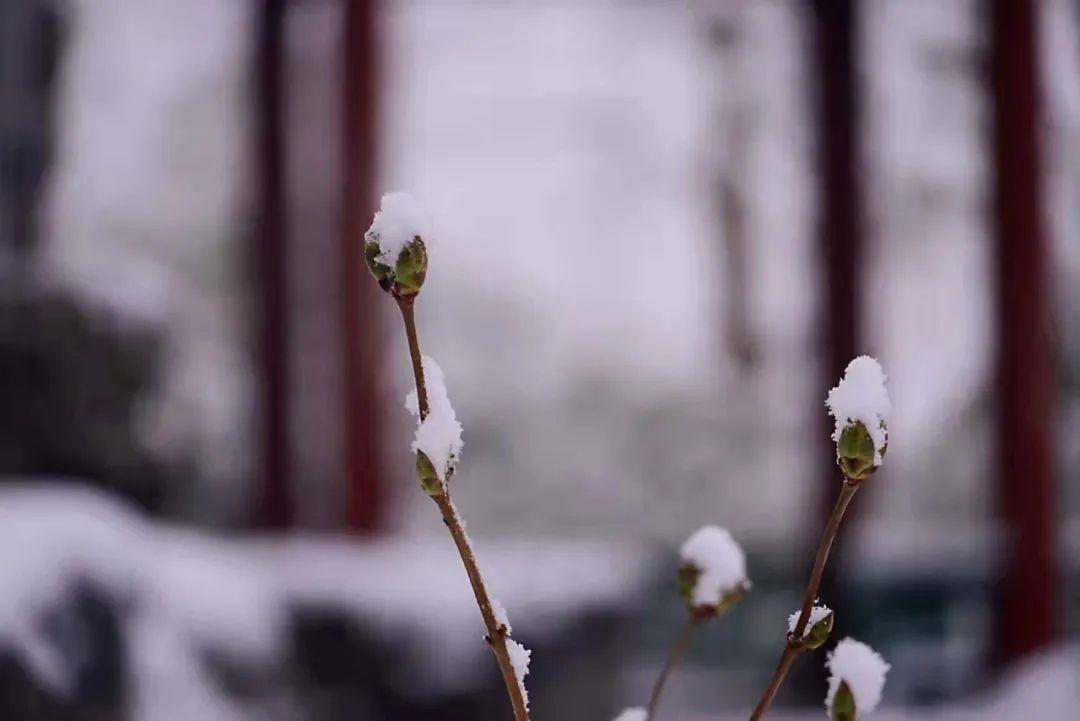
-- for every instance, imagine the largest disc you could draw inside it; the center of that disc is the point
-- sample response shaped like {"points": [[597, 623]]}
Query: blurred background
{"points": [[662, 230]]}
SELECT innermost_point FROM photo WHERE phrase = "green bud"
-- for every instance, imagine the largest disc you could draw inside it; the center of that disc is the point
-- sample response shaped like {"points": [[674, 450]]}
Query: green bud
{"points": [[843, 706], [688, 576], [382, 273], [855, 452], [429, 478], [818, 633], [727, 602], [411, 269], [407, 276]]}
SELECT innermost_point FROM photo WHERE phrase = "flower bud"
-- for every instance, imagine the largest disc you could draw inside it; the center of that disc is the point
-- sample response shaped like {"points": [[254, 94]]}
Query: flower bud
{"points": [[394, 248], [819, 633], [409, 271], [856, 680], [712, 573], [429, 477], [860, 405], [818, 627], [843, 705], [689, 576], [855, 451]]}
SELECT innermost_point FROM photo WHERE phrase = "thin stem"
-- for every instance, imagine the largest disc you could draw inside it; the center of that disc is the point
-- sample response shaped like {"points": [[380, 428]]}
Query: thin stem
{"points": [[786, 660], [675, 654], [847, 492], [408, 315], [793, 646], [497, 634]]}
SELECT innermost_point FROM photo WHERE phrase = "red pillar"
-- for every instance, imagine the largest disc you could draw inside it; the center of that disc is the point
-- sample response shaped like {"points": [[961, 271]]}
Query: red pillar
{"points": [[365, 491], [839, 231], [1026, 608], [839, 226], [269, 247]]}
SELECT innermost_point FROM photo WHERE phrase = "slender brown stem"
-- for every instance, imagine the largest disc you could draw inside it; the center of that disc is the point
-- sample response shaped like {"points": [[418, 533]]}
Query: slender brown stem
{"points": [[408, 315], [847, 492], [675, 654], [497, 634], [786, 660], [793, 647]]}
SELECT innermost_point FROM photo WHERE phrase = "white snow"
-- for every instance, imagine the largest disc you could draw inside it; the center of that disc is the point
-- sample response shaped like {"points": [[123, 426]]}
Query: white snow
{"points": [[632, 714], [438, 435], [862, 668], [861, 396], [519, 659], [501, 617], [817, 613], [720, 561], [397, 222], [199, 592], [193, 592], [1046, 682]]}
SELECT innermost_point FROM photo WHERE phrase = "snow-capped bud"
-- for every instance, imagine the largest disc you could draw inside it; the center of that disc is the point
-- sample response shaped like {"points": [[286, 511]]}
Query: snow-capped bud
{"points": [[689, 577], [843, 706], [819, 633], [856, 452], [394, 248], [817, 630], [437, 442], [860, 405], [712, 575], [405, 278], [856, 680]]}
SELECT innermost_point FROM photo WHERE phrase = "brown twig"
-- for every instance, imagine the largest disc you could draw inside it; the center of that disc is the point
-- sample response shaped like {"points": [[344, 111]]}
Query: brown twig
{"points": [[408, 316], [791, 651], [678, 648], [794, 646], [497, 634]]}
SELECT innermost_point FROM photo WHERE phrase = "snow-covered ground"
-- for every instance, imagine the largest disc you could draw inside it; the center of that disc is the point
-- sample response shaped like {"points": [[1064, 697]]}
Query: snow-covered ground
{"points": [[190, 594]]}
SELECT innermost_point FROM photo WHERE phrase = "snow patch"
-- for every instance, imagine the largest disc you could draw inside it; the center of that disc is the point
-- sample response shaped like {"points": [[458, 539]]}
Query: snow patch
{"points": [[439, 435], [817, 613], [500, 615], [861, 396], [519, 659], [197, 592], [632, 714], [193, 592], [720, 561]]}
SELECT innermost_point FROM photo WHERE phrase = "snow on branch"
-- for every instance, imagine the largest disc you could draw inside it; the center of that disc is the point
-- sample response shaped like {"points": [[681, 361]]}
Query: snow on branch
{"points": [[817, 614], [501, 616], [519, 659], [439, 435]]}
